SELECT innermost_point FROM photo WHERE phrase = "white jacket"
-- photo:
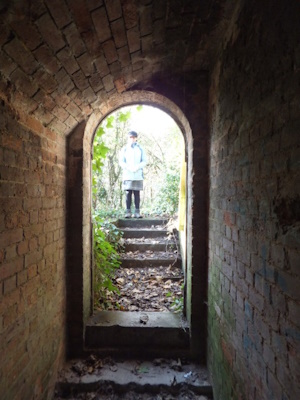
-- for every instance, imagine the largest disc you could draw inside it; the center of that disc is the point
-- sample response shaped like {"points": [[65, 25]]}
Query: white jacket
{"points": [[132, 160]]}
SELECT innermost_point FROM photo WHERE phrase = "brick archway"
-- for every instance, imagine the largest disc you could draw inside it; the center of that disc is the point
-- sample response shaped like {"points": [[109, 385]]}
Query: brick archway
{"points": [[79, 204]]}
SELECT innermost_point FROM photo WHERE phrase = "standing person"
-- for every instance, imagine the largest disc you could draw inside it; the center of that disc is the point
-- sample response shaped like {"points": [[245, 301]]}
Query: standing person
{"points": [[132, 161]]}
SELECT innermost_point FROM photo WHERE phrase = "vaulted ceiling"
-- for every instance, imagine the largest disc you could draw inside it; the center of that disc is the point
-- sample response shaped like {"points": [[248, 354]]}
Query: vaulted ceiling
{"points": [[60, 59]]}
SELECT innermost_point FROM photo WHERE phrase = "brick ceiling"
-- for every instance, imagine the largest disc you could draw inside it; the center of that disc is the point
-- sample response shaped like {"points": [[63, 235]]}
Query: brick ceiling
{"points": [[60, 59]]}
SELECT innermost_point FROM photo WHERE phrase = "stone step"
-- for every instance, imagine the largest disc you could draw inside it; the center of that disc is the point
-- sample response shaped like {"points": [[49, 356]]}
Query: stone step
{"points": [[163, 245], [141, 222], [141, 333], [155, 378], [146, 261], [144, 233]]}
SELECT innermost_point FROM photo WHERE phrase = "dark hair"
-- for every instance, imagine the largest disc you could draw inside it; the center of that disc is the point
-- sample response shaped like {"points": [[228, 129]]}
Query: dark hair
{"points": [[132, 133]]}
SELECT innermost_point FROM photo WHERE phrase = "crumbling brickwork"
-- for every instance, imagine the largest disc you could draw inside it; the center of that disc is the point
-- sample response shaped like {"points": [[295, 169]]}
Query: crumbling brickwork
{"points": [[254, 207]]}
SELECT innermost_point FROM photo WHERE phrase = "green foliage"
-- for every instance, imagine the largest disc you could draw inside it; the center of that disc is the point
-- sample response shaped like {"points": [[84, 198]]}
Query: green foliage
{"points": [[106, 234], [106, 258], [109, 139], [178, 303], [167, 198], [160, 195], [100, 151]]}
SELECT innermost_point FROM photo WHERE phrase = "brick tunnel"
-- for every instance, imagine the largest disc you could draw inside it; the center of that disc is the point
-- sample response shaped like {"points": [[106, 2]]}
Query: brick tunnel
{"points": [[229, 74]]}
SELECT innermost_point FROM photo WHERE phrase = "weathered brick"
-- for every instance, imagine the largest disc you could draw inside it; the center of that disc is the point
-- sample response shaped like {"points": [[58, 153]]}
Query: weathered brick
{"points": [[18, 52], [130, 13], [85, 64], [133, 38], [74, 39], [110, 51], [114, 9], [96, 82], [45, 56], [123, 56], [108, 83], [66, 83], [28, 32], [81, 15], [33, 258], [59, 12], [293, 312], [68, 61], [10, 252], [50, 32], [80, 80], [71, 122], [101, 24], [11, 268], [10, 284], [89, 94], [289, 284], [32, 271], [102, 66], [146, 20], [23, 82], [12, 236], [7, 64], [119, 33]]}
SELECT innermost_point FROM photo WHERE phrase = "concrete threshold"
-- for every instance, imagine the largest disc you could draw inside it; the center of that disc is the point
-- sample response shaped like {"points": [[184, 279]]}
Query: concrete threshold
{"points": [[137, 319], [137, 333]]}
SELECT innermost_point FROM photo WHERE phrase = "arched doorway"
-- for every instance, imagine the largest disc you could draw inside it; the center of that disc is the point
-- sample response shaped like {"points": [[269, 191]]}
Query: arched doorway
{"points": [[143, 269], [79, 204]]}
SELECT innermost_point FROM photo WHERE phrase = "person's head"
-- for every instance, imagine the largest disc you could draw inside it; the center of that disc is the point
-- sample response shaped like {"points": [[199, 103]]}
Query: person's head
{"points": [[132, 136]]}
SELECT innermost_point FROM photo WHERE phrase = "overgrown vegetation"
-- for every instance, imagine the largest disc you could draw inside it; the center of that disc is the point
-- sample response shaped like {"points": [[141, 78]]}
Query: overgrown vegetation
{"points": [[160, 195], [106, 258]]}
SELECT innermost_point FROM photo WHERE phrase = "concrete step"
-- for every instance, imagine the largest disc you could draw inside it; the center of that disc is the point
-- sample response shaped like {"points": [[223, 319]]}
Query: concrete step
{"points": [[139, 378], [142, 260], [141, 222], [136, 246], [142, 333], [144, 233]]}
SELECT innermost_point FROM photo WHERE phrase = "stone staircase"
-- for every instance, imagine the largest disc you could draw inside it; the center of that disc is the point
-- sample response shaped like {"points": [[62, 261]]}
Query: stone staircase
{"points": [[148, 245]]}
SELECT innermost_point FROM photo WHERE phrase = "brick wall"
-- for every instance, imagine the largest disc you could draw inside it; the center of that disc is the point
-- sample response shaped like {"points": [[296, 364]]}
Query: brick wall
{"points": [[254, 206], [32, 255]]}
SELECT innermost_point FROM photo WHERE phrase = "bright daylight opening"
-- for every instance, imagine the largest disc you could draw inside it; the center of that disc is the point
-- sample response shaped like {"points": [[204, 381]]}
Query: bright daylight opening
{"points": [[122, 281]]}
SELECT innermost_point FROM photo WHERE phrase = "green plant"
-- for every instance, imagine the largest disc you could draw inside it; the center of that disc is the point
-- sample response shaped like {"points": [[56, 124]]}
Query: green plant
{"points": [[177, 305], [106, 258], [178, 302], [167, 198]]}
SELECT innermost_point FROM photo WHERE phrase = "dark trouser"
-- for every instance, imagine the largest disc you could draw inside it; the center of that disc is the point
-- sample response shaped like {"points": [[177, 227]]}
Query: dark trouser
{"points": [[136, 199]]}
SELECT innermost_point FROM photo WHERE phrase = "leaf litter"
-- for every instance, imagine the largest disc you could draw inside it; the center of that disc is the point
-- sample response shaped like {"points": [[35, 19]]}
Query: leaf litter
{"points": [[146, 289]]}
